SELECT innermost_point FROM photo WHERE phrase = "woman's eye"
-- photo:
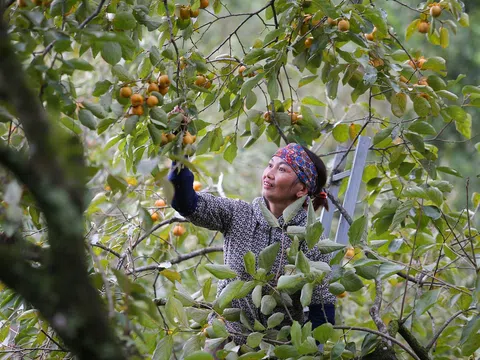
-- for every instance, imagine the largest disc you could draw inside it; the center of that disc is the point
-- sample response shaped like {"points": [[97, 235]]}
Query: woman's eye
{"points": [[282, 169]]}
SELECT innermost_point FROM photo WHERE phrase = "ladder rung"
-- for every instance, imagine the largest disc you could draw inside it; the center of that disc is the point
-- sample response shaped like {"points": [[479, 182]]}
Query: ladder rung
{"points": [[340, 176]]}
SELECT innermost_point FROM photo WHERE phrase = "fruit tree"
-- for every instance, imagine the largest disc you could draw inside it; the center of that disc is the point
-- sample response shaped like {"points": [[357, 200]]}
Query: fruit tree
{"points": [[96, 98]]}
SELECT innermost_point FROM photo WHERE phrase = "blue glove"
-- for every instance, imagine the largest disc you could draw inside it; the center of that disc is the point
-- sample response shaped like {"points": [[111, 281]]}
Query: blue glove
{"points": [[185, 198]]}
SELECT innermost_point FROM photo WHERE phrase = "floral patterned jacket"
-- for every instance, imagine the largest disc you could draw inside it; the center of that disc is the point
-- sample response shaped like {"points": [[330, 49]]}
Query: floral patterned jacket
{"points": [[245, 229]]}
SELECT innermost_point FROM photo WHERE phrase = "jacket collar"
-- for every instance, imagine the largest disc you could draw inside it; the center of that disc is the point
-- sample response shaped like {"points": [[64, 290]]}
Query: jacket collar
{"points": [[298, 219]]}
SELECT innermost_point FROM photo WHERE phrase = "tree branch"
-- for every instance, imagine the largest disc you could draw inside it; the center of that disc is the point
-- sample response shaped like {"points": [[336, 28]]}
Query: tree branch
{"points": [[419, 349], [444, 326], [57, 183], [388, 337], [177, 260]]}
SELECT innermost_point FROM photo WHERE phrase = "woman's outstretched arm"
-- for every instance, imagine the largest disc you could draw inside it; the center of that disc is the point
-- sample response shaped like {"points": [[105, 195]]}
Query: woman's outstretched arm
{"points": [[202, 209]]}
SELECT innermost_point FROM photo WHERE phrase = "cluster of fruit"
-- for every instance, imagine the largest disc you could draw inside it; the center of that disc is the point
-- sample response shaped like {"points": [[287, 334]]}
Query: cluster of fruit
{"points": [[435, 11], [44, 3], [295, 117], [242, 69], [160, 203], [342, 25], [202, 81], [137, 100], [185, 11]]}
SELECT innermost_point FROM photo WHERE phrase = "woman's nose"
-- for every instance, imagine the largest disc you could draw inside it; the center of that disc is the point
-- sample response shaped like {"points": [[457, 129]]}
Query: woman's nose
{"points": [[269, 173]]}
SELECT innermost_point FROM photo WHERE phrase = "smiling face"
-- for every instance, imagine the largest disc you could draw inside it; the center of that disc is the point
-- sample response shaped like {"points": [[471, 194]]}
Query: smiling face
{"points": [[280, 185]]}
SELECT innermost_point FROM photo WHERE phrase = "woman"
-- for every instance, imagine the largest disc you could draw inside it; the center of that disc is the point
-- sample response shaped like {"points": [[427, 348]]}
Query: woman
{"points": [[292, 173]]}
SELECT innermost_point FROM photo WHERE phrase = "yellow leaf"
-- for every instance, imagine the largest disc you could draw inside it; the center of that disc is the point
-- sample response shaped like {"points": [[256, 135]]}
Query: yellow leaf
{"points": [[171, 275], [353, 130]]}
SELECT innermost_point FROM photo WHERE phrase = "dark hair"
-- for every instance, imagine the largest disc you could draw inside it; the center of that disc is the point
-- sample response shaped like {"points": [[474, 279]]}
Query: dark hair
{"points": [[318, 200]]}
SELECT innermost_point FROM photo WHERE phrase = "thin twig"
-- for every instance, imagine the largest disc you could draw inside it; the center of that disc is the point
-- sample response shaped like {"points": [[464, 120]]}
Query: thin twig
{"points": [[177, 260], [444, 326], [388, 337]]}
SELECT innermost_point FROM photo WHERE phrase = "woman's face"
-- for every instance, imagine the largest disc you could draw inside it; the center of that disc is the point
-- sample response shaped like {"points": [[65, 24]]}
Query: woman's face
{"points": [[279, 182]]}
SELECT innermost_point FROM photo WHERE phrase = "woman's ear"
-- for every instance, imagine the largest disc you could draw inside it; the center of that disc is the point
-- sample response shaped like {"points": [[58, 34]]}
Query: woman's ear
{"points": [[303, 191]]}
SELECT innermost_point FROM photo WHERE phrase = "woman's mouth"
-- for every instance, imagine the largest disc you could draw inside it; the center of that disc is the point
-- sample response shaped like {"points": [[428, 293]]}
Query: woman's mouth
{"points": [[267, 185]]}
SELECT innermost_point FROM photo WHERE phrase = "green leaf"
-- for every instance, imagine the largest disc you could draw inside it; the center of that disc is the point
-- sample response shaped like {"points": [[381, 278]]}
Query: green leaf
{"points": [[414, 192], [292, 210], [160, 116], [79, 64], [122, 74], [254, 339], [250, 100], [337, 350], [275, 320], [421, 106], [328, 246], [340, 133], [422, 127], [272, 87], [95, 108], [310, 100], [336, 288], [435, 195], [426, 301], [249, 262], [269, 217], [411, 29], [124, 20], [101, 87], [87, 119], [432, 212], [449, 170], [306, 294], [351, 281], [267, 304], [435, 63], [267, 256], [382, 135], [117, 183], [175, 311], [285, 352], [301, 263], [217, 140], [199, 355], [130, 124], [416, 140], [221, 271], [219, 328], [229, 293], [323, 333], [290, 282], [401, 213], [296, 334], [398, 104], [313, 234], [356, 231], [164, 349], [464, 126], [246, 289], [111, 52], [306, 80], [327, 7], [251, 83], [231, 152], [257, 296], [387, 269]]}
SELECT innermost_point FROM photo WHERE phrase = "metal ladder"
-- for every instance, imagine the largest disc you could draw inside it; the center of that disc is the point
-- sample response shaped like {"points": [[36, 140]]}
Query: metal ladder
{"points": [[353, 187]]}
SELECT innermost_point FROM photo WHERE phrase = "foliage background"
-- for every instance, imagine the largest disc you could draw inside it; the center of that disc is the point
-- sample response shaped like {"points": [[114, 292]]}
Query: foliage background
{"points": [[114, 219]]}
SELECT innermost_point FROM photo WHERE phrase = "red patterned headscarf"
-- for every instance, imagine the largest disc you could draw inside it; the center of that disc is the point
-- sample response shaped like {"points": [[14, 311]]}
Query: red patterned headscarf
{"points": [[294, 155]]}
